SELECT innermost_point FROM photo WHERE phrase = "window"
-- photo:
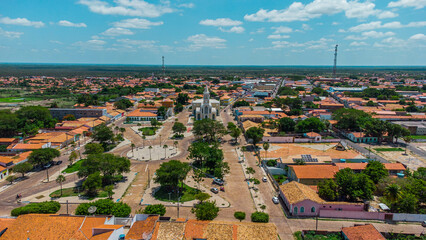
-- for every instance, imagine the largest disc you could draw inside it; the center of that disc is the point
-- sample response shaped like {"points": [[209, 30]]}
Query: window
{"points": [[313, 209], [302, 209], [295, 211]]}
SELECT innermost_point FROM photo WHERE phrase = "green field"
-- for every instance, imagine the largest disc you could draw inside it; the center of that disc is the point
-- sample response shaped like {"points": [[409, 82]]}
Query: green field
{"points": [[73, 168], [188, 194], [73, 191], [418, 137], [17, 99], [389, 149]]}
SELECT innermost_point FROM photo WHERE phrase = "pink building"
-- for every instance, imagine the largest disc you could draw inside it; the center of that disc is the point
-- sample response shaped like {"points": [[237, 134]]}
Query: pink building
{"points": [[302, 200]]}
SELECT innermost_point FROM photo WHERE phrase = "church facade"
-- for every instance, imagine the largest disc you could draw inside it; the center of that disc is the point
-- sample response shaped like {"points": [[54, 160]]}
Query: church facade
{"points": [[206, 107]]}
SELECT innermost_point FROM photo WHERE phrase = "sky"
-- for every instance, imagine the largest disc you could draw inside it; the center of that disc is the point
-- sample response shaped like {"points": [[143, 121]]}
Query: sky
{"points": [[214, 32]]}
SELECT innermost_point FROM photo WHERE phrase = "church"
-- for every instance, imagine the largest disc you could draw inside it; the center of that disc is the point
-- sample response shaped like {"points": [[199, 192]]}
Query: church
{"points": [[206, 107]]}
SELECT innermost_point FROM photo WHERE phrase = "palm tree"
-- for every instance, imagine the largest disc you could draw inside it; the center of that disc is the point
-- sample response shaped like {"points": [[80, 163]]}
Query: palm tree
{"points": [[266, 147], [165, 150], [393, 193], [132, 146], [143, 140], [150, 147], [60, 180], [175, 143], [407, 140]]}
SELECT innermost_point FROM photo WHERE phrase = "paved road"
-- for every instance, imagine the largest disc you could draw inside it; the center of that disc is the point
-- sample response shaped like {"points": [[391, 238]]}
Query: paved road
{"points": [[412, 148]]}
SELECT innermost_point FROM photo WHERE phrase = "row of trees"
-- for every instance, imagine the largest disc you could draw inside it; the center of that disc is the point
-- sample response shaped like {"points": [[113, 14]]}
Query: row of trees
{"points": [[209, 158], [27, 121]]}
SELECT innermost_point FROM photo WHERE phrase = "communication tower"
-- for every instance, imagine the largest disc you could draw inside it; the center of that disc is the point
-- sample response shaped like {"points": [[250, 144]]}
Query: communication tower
{"points": [[335, 61]]}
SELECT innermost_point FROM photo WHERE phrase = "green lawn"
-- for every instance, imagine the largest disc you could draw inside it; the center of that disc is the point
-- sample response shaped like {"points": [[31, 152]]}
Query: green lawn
{"points": [[17, 99], [188, 194], [73, 168], [148, 131], [280, 178], [418, 137], [69, 192], [389, 149]]}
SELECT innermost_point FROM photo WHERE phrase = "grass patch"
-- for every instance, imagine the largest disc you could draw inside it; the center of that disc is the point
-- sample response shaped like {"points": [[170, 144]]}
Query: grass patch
{"points": [[418, 137], [188, 194], [389, 149], [280, 178], [17, 99], [148, 131], [73, 191], [73, 168]]}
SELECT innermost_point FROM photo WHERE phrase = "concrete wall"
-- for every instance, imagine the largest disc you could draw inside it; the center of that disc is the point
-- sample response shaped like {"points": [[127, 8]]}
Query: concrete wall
{"points": [[409, 217], [352, 214]]}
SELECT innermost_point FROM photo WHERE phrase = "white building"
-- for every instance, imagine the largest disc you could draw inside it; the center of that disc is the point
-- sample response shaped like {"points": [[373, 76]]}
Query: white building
{"points": [[206, 107]]}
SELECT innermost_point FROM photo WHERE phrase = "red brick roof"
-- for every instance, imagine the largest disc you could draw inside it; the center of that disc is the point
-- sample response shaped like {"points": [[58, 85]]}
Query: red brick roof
{"points": [[365, 232]]}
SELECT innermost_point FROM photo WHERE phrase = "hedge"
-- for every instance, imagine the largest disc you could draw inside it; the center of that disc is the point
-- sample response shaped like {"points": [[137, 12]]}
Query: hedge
{"points": [[104, 207], [260, 217], [42, 207]]}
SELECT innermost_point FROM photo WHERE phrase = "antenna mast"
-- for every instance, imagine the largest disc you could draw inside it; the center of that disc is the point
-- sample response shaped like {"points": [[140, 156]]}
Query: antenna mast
{"points": [[163, 67], [335, 61]]}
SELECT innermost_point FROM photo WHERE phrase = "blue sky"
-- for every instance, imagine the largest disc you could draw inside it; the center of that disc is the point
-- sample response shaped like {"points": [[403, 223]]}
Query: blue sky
{"points": [[214, 32]]}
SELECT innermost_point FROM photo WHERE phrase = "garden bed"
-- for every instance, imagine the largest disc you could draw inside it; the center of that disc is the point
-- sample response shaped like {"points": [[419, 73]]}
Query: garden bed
{"points": [[148, 131], [188, 194], [73, 168]]}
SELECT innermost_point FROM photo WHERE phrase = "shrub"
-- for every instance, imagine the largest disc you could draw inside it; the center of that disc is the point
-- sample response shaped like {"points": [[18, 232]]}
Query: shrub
{"points": [[43, 207], [155, 209], [206, 211], [255, 180], [240, 215], [271, 163], [260, 217], [104, 207]]}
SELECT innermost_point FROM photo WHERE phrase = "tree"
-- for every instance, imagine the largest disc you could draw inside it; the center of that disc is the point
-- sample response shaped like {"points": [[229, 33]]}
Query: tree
{"points": [[105, 207], [150, 147], [375, 128], [208, 129], [161, 112], [286, 124], [10, 178], [23, 168], [8, 123], [408, 203], [132, 145], [198, 176], [207, 156], [73, 156], [69, 117], [260, 217], [178, 128], [165, 150], [407, 139], [154, 122], [32, 118], [327, 190], [375, 170], [43, 156], [92, 183], [182, 98], [240, 215], [393, 193], [60, 179], [255, 134], [104, 135], [108, 164], [159, 209], [202, 196], [354, 187], [172, 173], [241, 103], [350, 119], [266, 148], [123, 104], [311, 124], [110, 190], [93, 148], [205, 211], [235, 133]]}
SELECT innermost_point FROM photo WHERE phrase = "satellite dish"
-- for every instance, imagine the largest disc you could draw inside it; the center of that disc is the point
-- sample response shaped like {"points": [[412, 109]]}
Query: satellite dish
{"points": [[92, 209]]}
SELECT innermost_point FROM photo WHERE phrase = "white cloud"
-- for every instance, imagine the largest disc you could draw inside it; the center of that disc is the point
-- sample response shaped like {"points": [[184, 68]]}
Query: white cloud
{"points": [[378, 24], [199, 41], [56, 42], [417, 4], [221, 22], [66, 23], [334, 23], [21, 22], [137, 43], [128, 8], [297, 11], [370, 34], [306, 27], [235, 29], [258, 31], [186, 5], [136, 23], [387, 14], [358, 44], [117, 32], [419, 36], [282, 29], [251, 40], [278, 36], [322, 43], [93, 44], [8, 34]]}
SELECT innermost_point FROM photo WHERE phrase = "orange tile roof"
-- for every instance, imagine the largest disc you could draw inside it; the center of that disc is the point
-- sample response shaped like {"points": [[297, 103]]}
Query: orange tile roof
{"points": [[140, 227], [138, 113], [26, 146], [315, 171], [6, 222], [365, 232]]}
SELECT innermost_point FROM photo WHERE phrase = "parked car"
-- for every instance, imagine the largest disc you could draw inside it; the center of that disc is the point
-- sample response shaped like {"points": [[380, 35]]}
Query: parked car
{"points": [[48, 165], [424, 224], [58, 162], [275, 200], [264, 179], [218, 181], [214, 190]]}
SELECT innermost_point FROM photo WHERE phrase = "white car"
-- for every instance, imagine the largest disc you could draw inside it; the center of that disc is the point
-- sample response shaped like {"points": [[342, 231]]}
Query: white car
{"points": [[264, 179], [275, 200]]}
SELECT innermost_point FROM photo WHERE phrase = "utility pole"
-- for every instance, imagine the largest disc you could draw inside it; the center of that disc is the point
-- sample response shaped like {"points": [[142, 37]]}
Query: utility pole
{"points": [[335, 61]]}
